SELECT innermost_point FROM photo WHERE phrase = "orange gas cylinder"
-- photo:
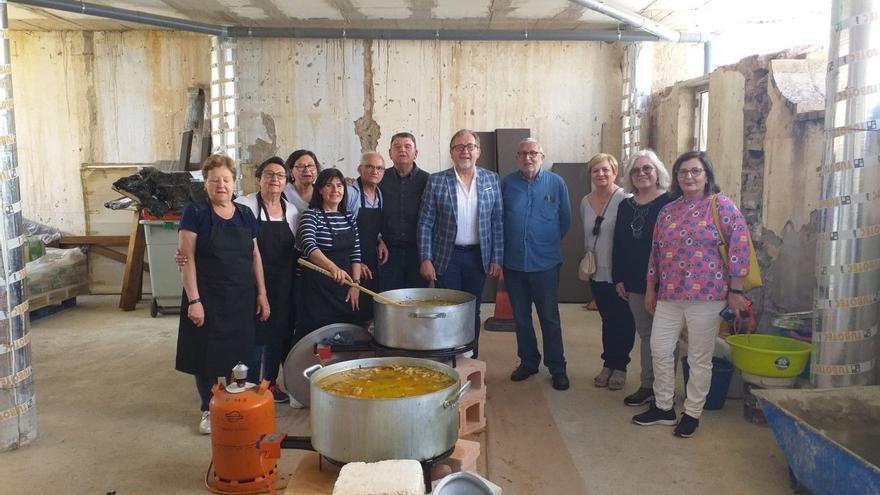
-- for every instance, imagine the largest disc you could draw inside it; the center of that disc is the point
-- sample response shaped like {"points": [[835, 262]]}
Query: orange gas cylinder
{"points": [[241, 413]]}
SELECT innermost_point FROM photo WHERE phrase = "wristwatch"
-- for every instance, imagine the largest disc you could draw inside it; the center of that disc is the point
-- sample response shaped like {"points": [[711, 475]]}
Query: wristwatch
{"points": [[195, 301], [735, 291]]}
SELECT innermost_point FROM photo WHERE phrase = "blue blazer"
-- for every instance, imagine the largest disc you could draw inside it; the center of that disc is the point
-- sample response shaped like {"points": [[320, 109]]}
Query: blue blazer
{"points": [[438, 223]]}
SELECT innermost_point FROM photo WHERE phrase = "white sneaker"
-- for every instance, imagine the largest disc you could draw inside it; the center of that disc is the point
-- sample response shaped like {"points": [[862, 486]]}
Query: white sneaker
{"points": [[295, 403], [205, 423]]}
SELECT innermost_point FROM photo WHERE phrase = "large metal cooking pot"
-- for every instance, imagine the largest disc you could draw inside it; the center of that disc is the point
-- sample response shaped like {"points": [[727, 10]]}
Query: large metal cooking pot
{"points": [[347, 429], [425, 328]]}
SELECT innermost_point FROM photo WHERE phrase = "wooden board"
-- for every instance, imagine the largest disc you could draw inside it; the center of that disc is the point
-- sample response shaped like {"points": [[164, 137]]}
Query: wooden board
{"points": [[57, 296], [308, 479], [105, 275]]}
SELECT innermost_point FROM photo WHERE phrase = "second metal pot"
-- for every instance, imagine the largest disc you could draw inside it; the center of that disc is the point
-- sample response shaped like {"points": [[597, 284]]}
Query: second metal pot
{"points": [[428, 327], [348, 429]]}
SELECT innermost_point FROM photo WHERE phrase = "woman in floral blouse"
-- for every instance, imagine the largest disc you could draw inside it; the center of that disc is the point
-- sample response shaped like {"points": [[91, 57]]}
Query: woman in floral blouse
{"points": [[688, 282]]}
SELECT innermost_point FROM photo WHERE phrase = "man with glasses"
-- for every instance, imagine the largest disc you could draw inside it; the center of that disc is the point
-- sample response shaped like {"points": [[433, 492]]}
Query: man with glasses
{"points": [[537, 216], [402, 188], [460, 228], [365, 205]]}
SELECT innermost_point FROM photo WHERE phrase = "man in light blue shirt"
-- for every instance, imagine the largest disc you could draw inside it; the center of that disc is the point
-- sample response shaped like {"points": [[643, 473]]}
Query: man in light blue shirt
{"points": [[537, 216]]}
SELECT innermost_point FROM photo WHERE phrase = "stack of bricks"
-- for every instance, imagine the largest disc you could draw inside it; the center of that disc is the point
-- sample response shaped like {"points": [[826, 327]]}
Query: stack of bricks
{"points": [[472, 405], [472, 416]]}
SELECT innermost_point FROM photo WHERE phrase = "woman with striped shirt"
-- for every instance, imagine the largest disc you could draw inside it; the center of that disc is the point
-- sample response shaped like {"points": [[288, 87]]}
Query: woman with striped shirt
{"points": [[329, 238]]}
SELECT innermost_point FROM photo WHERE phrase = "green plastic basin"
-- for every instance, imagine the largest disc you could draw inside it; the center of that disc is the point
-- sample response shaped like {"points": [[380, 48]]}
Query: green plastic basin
{"points": [[769, 355]]}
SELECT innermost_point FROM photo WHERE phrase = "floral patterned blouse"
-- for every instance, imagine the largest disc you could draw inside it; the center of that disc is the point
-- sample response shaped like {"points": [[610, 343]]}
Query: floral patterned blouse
{"points": [[685, 261]]}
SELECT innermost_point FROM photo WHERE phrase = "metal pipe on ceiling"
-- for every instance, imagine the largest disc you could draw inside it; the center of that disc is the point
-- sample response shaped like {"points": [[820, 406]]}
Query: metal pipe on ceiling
{"points": [[125, 15], [642, 23], [439, 34], [340, 33]]}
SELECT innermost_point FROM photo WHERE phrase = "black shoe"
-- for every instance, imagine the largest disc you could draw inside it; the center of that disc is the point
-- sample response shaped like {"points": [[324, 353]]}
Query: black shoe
{"points": [[560, 381], [278, 395], [521, 373], [640, 397], [655, 416], [687, 426]]}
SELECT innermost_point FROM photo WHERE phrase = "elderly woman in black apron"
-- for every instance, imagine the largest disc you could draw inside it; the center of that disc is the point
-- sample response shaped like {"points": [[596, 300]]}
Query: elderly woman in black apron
{"points": [[329, 238], [365, 205], [277, 220], [223, 289]]}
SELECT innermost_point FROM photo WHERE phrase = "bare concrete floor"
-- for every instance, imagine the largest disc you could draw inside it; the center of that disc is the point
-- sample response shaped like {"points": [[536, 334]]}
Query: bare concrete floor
{"points": [[115, 416]]}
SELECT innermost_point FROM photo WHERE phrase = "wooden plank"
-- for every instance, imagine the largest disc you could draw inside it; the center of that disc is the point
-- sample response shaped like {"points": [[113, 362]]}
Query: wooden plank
{"points": [[132, 278], [91, 240], [114, 255], [57, 296], [108, 253]]}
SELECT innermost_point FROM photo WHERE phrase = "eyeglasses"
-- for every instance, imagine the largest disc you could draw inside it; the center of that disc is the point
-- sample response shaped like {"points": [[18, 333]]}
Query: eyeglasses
{"points": [[530, 154], [373, 168], [274, 176], [690, 172], [303, 167], [598, 225], [647, 169], [461, 147]]}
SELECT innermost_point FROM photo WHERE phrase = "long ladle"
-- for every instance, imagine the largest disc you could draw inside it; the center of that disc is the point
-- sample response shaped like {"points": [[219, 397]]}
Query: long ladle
{"points": [[378, 297]]}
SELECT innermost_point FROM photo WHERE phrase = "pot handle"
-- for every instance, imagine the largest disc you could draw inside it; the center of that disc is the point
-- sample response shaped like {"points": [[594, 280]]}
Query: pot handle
{"points": [[452, 400], [308, 372], [429, 316]]}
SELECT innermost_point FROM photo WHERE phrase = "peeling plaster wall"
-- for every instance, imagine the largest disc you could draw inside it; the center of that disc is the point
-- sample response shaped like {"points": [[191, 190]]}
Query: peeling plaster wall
{"points": [[339, 97], [300, 94], [97, 97], [766, 155]]}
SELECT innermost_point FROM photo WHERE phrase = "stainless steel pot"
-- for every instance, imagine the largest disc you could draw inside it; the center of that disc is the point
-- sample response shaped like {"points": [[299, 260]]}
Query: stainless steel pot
{"points": [[425, 328], [346, 429]]}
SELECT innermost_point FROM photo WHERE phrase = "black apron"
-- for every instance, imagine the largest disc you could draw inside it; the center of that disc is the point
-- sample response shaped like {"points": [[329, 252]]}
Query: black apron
{"points": [[369, 223], [225, 278], [275, 241], [323, 300]]}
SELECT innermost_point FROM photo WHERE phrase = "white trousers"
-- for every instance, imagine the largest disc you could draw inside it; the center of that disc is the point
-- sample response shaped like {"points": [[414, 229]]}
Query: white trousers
{"points": [[702, 320]]}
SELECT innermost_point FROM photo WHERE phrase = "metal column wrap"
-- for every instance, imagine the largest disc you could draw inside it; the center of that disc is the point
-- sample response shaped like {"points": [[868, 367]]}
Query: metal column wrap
{"points": [[18, 417], [848, 295]]}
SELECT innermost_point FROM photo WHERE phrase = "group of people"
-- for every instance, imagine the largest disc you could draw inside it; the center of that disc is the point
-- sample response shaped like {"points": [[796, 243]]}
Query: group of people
{"points": [[246, 300], [658, 270]]}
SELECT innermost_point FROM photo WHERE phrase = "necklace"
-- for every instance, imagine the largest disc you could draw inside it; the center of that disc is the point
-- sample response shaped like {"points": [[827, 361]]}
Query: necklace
{"points": [[640, 212]]}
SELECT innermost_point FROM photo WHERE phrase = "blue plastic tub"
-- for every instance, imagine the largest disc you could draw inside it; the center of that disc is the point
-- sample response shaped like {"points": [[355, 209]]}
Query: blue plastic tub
{"points": [[722, 371]]}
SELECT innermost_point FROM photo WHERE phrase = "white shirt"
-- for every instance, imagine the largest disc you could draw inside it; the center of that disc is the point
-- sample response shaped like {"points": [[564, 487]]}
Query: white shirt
{"points": [[251, 202], [468, 233]]}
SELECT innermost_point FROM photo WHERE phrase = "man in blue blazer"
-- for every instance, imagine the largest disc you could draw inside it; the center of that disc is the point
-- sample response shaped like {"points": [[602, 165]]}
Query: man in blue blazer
{"points": [[460, 230]]}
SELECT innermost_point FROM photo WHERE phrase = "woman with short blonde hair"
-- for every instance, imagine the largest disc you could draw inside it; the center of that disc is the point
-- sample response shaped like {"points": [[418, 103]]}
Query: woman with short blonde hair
{"points": [[599, 214]]}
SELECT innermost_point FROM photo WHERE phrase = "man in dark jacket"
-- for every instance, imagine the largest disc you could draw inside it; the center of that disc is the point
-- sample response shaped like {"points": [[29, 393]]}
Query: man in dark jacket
{"points": [[402, 189]]}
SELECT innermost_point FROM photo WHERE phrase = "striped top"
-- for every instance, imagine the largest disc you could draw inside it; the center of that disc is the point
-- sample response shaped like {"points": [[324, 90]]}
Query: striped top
{"points": [[315, 233]]}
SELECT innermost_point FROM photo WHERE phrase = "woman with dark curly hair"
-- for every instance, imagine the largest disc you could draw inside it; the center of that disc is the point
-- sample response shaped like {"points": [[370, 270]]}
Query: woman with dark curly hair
{"points": [[329, 238], [689, 283]]}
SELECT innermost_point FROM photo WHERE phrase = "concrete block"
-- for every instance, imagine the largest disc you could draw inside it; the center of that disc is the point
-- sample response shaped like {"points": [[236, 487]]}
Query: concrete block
{"points": [[395, 477], [472, 413], [463, 458], [474, 371]]}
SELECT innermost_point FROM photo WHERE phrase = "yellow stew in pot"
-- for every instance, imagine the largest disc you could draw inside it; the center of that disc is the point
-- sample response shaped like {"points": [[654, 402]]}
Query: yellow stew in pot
{"points": [[385, 382]]}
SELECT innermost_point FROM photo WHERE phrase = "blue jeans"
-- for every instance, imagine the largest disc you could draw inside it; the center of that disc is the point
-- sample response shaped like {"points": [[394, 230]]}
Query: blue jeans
{"points": [[540, 288], [204, 384], [401, 271], [267, 358], [618, 326], [465, 272]]}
